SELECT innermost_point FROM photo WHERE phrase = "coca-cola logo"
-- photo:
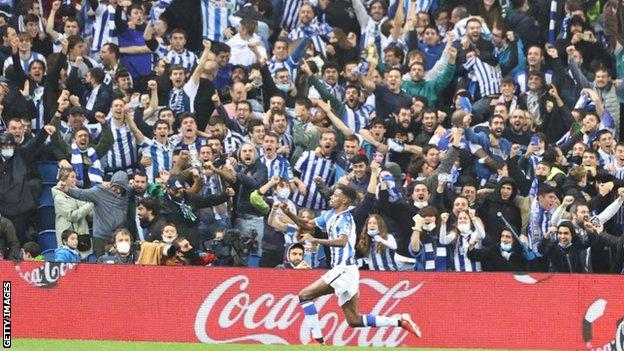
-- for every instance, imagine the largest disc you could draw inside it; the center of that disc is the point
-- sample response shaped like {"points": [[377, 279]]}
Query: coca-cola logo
{"points": [[46, 276], [268, 318]]}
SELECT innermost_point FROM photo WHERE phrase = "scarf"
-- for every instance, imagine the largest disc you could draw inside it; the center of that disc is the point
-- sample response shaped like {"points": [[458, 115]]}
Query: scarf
{"points": [[95, 170], [186, 210]]}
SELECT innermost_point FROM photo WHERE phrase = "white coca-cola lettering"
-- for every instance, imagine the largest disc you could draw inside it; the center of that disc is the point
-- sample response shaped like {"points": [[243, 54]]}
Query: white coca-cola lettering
{"points": [[47, 275], [241, 314]]}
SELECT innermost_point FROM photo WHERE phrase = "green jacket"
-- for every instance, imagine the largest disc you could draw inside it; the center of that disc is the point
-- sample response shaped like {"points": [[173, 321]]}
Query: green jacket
{"points": [[432, 88], [106, 140]]}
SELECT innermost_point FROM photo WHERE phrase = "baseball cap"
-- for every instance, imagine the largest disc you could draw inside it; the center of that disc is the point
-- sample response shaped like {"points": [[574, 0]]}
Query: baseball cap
{"points": [[76, 110], [176, 183]]}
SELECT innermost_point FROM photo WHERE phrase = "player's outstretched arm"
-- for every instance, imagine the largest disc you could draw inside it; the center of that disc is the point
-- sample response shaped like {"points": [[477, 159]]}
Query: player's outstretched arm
{"points": [[340, 242], [304, 224]]}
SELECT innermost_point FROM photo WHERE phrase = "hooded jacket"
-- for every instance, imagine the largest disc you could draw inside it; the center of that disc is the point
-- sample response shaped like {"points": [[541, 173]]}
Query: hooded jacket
{"points": [[286, 264], [110, 209], [492, 205], [492, 259], [567, 260]]}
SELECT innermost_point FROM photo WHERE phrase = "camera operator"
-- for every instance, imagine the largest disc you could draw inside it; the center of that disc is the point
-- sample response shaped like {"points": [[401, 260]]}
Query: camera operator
{"points": [[231, 248], [179, 206], [122, 251]]}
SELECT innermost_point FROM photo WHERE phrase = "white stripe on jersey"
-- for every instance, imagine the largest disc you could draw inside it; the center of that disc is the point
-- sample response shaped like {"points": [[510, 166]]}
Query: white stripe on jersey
{"points": [[290, 16], [381, 261], [489, 77], [25, 63], [215, 17], [161, 155], [311, 165], [335, 225], [103, 27], [186, 59], [274, 65], [279, 166], [123, 154], [357, 119], [232, 142]]}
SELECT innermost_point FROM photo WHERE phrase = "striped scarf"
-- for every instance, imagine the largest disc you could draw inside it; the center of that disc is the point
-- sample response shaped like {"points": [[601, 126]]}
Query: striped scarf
{"points": [[552, 16], [95, 170]]}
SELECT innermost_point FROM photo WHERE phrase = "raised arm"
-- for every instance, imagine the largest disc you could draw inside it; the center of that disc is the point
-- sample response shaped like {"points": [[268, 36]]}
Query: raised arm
{"points": [[202, 60], [337, 122], [107, 139], [56, 5], [302, 223]]}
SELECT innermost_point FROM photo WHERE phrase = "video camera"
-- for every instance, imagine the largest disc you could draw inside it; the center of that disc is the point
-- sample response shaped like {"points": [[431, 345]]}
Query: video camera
{"points": [[234, 248]]}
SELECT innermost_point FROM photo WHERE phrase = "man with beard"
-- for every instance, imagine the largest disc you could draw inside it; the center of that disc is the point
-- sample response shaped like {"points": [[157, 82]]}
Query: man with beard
{"points": [[230, 140], [371, 22], [493, 143], [429, 122], [501, 200], [514, 131], [534, 63], [353, 113], [179, 206], [157, 153], [430, 89], [403, 128], [389, 96], [294, 258], [249, 174], [331, 73], [150, 220], [350, 149], [279, 124], [81, 154], [318, 162]]}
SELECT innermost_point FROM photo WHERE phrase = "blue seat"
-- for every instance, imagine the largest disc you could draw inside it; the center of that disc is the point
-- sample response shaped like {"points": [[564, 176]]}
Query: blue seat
{"points": [[48, 255], [46, 218], [47, 240], [254, 260], [91, 258], [48, 171], [46, 197]]}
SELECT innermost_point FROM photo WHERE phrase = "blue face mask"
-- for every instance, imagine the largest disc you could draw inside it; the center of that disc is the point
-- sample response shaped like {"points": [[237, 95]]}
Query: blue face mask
{"points": [[283, 193], [505, 247], [373, 232], [8, 153], [285, 87]]}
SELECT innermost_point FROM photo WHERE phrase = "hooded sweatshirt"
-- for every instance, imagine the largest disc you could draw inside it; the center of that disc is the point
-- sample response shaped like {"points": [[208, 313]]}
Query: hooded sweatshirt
{"points": [[494, 203], [110, 210]]}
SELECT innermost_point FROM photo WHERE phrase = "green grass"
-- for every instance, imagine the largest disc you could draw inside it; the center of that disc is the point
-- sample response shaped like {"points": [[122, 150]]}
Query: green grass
{"points": [[88, 345]]}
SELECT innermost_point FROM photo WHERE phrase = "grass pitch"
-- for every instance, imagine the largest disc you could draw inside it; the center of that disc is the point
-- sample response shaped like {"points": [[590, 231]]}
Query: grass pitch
{"points": [[89, 345]]}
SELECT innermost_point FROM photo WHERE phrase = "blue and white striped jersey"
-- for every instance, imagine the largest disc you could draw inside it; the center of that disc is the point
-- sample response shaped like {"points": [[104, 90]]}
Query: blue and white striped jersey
{"points": [[123, 155], [487, 76], [278, 166], [310, 165], [232, 142], [25, 63], [186, 58], [335, 225], [381, 261], [193, 148], [215, 18], [103, 27], [161, 155]]}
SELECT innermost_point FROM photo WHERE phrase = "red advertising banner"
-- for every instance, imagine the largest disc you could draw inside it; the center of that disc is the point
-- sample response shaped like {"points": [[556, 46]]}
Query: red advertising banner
{"points": [[227, 305]]}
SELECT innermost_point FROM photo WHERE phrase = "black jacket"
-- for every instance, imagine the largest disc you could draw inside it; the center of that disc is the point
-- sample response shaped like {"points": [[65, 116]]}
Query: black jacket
{"points": [[18, 192], [186, 14], [492, 259], [493, 204], [248, 179], [524, 26], [566, 260]]}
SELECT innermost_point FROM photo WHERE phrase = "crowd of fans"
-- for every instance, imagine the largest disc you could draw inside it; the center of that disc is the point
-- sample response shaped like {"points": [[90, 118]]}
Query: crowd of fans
{"points": [[478, 134]]}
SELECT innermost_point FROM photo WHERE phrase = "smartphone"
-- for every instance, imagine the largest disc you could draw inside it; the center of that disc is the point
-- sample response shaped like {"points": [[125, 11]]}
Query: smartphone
{"points": [[444, 177], [534, 141], [595, 221]]}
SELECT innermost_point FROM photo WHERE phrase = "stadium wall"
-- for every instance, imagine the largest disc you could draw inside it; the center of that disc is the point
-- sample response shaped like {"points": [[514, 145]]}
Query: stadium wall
{"points": [[229, 305]]}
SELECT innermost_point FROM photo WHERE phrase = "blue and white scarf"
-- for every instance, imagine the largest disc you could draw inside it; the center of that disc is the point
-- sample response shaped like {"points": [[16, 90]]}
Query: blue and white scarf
{"points": [[95, 170]]}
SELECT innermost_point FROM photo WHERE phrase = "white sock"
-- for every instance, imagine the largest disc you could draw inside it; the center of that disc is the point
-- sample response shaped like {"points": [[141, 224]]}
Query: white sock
{"points": [[315, 325], [379, 321]]}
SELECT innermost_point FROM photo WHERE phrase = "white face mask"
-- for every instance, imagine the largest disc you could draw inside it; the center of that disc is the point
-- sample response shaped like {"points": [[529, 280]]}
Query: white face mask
{"points": [[420, 204], [429, 226], [123, 247], [565, 246], [283, 193], [373, 232], [464, 228], [8, 153], [505, 247], [167, 240]]}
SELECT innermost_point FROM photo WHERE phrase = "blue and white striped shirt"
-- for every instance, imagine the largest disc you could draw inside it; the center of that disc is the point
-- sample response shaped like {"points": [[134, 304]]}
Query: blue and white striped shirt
{"points": [[279, 166], [358, 118], [193, 148], [186, 59], [290, 16], [460, 257], [103, 27], [291, 66], [25, 63], [232, 142], [381, 261], [215, 18], [311, 165], [161, 155], [487, 76], [123, 155], [335, 225]]}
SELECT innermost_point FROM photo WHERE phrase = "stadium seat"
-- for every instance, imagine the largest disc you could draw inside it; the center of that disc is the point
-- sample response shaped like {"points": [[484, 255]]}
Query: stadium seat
{"points": [[46, 196], [254, 260], [47, 240], [91, 258], [48, 255], [48, 171], [46, 218]]}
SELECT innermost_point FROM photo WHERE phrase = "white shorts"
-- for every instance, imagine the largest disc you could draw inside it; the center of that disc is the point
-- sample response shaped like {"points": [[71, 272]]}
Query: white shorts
{"points": [[345, 280]]}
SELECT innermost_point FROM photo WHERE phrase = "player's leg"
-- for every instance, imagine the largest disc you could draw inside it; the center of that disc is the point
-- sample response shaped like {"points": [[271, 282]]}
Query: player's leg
{"points": [[357, 320], [306, 300]]}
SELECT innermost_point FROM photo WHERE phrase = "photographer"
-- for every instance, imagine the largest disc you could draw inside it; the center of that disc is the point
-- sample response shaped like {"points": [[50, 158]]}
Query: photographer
{"points": [[231, 248], [122, 251]]}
